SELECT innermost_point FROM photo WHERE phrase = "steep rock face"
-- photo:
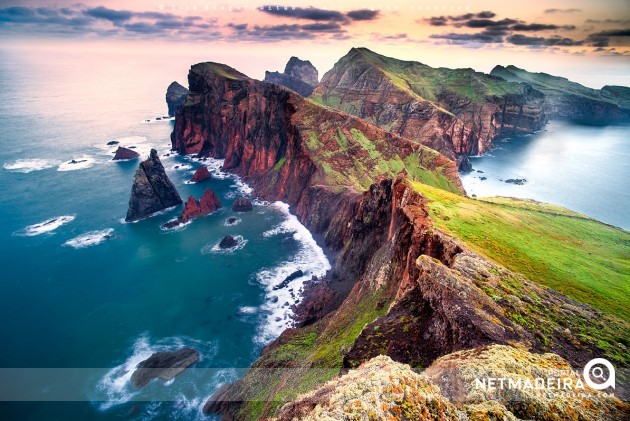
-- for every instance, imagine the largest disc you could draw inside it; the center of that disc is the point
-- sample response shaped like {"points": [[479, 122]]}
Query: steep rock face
{"points": [[571, 101], [299, 75], [175, 96], [152, 190], [290, 149], [454, 111]]}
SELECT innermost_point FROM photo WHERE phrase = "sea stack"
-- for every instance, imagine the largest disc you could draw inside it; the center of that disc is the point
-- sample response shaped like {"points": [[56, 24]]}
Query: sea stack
{"points": [[242, 204], [299, 75], [175, 96], [152, 191], [208, 203]]}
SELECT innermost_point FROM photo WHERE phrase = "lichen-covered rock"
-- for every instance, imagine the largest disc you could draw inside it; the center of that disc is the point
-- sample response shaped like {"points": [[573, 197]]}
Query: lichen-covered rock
{"points": [[175, 96], [152, 190], [378, 390], [457, 374]]}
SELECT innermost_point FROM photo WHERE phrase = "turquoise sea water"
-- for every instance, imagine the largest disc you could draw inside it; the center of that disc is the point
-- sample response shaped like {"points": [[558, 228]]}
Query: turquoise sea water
{"points": [[583, 168], [72, 298]]}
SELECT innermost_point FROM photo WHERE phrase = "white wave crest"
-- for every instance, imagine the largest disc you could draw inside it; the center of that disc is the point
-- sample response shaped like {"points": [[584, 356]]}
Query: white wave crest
{"points": [[90, 238], [28, 165], [310, 259], [47, 226]]}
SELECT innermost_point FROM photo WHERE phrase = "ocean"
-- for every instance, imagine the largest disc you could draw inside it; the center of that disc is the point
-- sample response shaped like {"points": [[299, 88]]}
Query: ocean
{"points": [[88, 294], [582, 168]]}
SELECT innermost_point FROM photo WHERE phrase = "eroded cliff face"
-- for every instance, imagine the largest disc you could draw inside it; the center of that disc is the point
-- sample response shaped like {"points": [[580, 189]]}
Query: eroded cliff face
{"points": [[457, 112], [566, 100], [299, 75]]}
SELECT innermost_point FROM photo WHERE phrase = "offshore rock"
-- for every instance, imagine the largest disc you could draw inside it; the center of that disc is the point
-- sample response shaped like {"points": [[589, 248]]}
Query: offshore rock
{"points": [[175, 96], [208, 203], [228, 242], [152, 190], [242, 204], [164, 365], [201, 174], [299, 75], [123, 153]]}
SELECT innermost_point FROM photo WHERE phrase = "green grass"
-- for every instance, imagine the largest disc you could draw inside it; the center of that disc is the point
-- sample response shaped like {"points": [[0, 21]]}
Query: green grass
{"points": [[280, 163], [578, 256]]}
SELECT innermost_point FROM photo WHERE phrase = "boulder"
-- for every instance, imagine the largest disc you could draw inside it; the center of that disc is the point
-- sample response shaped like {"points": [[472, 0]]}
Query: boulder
{"points": [[201, 174], [152, 190], [242, 204], [228, 242], [125, 153], [175, 96], [288, 279], [164, 365]]}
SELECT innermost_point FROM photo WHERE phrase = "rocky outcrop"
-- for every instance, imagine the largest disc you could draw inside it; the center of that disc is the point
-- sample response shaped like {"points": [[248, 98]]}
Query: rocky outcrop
{"points": [[175, 96], [568, 100], [201, 174], [208, 203], [454, 111], [152, 190], [299, 75], [380, 390], [228, 242], [123, 154], [242, 204], [383, 389], [164, 365]]}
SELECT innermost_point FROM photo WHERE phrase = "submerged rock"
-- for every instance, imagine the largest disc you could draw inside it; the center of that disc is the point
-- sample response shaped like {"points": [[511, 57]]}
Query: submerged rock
{"points": [[123, 153], [228, 242], [517, 181], [208, 203], [231, 220], [164, 365], [175, 96], [201, 174], [152, 190], [242, 204], [112, 142]]}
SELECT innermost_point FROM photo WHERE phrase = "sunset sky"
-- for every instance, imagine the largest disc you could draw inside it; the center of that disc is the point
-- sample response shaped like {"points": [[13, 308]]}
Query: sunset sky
{"points": [[584, 40]]}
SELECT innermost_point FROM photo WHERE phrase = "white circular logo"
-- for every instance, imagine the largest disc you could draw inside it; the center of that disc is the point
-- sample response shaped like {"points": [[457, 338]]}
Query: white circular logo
{"points": [[605, 377]]}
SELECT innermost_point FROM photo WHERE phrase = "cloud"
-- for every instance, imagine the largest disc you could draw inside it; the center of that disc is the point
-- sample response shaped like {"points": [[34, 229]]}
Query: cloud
{"points": [[563, 10], [483, 37], [539, 27], [486, 23], [602, 39], [115, 16], [308, 13], [363, 14], [520, 39], [609, 21]]}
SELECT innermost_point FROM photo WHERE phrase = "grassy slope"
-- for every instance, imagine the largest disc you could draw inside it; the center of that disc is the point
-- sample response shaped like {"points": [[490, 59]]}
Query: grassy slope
{"points": [[426, 83], [578, 256]]}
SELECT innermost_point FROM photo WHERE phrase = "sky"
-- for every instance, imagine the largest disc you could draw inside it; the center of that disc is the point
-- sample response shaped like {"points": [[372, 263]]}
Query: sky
{"points": [[586, 41]]}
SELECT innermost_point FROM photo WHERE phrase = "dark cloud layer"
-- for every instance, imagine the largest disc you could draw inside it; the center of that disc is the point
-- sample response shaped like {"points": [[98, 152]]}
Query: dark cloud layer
{"points": [[315, 14], [563, 10]]}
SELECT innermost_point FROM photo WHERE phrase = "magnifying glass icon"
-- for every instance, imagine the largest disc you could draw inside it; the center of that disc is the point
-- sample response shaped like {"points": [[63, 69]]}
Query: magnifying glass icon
{"points": [[598, 373]]}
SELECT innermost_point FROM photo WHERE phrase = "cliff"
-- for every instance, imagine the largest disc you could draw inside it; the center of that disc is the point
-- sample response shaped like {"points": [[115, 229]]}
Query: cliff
{"points": [[571, 101], [454, 111], [299, 75], [387, 208], [152, 190], [175, 95]]}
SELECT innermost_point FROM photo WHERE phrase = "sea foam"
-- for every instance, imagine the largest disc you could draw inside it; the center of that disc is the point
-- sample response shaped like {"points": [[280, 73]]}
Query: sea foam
{"points": [[310, 259], [80, 163], [90, 238], [28, 165], [48, 226]]}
